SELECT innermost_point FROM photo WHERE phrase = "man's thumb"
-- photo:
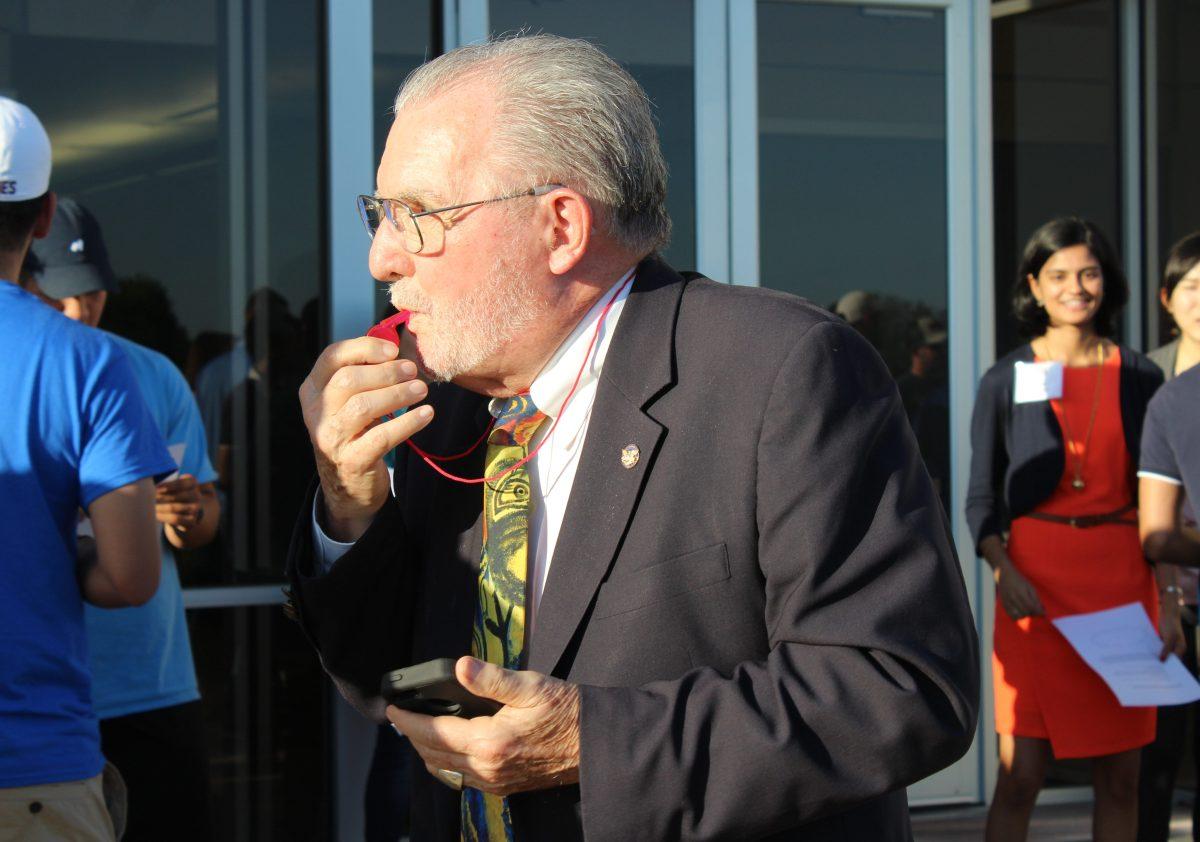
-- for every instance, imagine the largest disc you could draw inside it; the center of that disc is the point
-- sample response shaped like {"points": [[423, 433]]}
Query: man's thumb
{"points": [[493, 682]]}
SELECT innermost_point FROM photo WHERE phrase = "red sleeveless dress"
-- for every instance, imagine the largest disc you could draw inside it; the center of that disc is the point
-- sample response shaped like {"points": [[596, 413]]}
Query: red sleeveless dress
{"points": [[1042, 687]]}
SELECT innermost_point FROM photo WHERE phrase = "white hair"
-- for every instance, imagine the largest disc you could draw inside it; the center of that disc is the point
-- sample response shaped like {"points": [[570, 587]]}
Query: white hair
{"points": [[566, 114]]}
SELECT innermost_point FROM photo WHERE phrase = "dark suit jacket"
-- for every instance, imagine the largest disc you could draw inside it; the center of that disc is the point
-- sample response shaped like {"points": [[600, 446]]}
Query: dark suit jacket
{"points": [[1017, 448], [765, 615]]}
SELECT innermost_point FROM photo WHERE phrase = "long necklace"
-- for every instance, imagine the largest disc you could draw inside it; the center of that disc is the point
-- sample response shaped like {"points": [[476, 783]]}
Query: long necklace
{"points": [[1077, 482]]}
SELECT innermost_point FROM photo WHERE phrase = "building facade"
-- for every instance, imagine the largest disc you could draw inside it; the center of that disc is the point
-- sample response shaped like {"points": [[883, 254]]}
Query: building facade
{"points": [[887, 160]]}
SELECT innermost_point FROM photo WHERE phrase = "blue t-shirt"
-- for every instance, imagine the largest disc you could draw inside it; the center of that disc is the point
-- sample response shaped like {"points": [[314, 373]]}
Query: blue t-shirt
{"points": [[141, 658], [74, 427], [1171, 436]]}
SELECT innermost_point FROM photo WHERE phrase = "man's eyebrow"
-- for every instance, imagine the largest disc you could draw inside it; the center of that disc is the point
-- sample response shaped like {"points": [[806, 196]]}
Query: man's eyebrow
{"points": [[425, 198]]}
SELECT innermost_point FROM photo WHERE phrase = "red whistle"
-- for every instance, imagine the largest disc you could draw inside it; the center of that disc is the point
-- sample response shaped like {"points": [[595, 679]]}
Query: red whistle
{"points": [[387, 329]]}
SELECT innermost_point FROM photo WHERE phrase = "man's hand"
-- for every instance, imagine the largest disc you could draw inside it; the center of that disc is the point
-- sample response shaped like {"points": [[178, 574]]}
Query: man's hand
{"points": [[351, 387], [1018, 597], [531, 743], [177, 503]]}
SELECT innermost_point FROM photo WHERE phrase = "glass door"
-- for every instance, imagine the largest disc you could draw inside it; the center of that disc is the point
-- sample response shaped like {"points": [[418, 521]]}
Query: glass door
{"points": [[161, 117], [852, 184]]}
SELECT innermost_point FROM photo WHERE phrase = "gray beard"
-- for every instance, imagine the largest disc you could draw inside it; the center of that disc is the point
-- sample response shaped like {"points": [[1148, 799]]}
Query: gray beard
{"points": [[467, 332]]}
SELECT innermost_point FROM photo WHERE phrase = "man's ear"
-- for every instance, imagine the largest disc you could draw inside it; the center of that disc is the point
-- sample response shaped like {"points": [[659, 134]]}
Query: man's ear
{"points": [[41, 226], [570, 228]]}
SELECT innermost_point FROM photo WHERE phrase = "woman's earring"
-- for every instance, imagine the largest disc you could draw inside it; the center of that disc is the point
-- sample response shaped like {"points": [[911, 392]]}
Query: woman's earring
{"points": [[1041, 304]]}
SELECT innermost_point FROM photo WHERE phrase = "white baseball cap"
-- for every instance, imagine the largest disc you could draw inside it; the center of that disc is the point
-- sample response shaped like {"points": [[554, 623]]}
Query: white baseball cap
{"points": [[24, 153]]}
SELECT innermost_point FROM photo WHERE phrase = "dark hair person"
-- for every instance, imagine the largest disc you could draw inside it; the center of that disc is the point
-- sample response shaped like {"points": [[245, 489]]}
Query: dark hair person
{"points": [[1180, 297], [1165, 507], [1051, 504]]}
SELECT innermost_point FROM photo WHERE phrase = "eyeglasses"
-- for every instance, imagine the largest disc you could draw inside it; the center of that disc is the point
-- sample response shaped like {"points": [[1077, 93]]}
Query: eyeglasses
{"points": [[419, 235]]}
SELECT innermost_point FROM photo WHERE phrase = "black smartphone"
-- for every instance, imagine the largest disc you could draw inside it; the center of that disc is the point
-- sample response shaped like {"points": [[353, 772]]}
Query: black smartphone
{"points": [[431, 688]]}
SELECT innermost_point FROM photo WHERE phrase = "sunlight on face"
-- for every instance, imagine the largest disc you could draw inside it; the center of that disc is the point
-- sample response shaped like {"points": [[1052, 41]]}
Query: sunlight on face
{"points": [[1070, 286], [456, 337]]}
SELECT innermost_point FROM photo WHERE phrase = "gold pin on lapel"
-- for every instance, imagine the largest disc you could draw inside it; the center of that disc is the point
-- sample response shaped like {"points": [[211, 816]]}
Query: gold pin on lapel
{"points": [[630, 454]]}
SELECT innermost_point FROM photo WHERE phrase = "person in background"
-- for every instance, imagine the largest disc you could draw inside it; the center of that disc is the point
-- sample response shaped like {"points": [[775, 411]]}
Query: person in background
{"points": [[144, 686], [925, 392], [264, 476], [77, 436], [1180, 297], [1051, 504], [221, 375], [1170, 469], [927, 367]]}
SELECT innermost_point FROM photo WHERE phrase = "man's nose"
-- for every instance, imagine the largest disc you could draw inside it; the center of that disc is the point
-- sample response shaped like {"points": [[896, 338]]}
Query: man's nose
{"points": [[388, 259]]}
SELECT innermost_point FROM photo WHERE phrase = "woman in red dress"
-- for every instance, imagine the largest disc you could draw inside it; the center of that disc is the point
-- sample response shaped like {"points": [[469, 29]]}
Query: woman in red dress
{"points": [[1055, 440]]}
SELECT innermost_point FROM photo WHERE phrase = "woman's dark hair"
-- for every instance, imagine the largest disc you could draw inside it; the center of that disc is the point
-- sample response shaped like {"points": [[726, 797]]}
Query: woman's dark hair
{"points": [[1182, 258], [1055, 235], [16, 221]]}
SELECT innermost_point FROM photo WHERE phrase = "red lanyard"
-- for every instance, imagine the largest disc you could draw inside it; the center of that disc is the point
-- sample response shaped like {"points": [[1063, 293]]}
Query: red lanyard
{"points": [[387, 330]]}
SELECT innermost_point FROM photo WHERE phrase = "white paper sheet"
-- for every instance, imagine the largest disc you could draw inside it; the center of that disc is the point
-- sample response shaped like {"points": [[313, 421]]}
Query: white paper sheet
{"points": [[1034, 382], [1122, 646], [176, 451]]}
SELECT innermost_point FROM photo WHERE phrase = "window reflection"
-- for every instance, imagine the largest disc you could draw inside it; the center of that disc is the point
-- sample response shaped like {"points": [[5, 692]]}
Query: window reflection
{"points": [[1055, 122], [658, 52], [852, 186], [1176, 128], [265, 708], [192, 132], [406, 33], [404, 37]]}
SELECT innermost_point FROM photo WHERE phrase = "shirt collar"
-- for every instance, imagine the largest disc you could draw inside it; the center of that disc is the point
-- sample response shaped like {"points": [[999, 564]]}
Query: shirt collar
{"points": [[550, 388]]}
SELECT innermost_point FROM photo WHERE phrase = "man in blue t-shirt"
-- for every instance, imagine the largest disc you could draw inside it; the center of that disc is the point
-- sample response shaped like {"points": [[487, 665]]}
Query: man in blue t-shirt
{"points": [[77, 437], [143, 680], [1169, 467]]}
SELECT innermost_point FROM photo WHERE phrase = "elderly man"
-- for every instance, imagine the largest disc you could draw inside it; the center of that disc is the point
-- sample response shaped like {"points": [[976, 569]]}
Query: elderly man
{"points": [[696, 555]]}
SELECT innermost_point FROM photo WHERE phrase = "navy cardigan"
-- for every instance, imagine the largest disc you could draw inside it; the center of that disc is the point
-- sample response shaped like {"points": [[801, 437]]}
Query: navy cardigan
{"points": [[1017, 449]]}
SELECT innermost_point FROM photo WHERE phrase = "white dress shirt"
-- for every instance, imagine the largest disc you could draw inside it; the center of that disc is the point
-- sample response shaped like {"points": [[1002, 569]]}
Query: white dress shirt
{"points": [[552, 470]]}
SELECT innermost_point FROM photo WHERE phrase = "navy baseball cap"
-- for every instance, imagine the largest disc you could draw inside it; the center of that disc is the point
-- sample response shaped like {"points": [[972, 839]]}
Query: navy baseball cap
{"points": [[72, 259]]}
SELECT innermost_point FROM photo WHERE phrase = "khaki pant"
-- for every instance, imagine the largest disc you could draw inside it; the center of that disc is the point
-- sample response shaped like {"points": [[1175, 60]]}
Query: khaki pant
{"points": [[66, 812]]}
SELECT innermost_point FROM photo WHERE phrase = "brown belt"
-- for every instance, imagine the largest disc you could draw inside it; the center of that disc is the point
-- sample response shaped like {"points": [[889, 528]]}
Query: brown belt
{"points": [[1088, 521]]}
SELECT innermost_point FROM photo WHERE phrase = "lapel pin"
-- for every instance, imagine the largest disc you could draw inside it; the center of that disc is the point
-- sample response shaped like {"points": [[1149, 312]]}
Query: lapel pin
{"points": [[630, 455]]}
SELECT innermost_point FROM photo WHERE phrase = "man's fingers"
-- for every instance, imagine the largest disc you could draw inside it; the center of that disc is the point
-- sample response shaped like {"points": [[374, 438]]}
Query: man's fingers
{"points": [[391, 434], [509, 687], [353, 379], [363, 409], [362, 350], [446, 735]]}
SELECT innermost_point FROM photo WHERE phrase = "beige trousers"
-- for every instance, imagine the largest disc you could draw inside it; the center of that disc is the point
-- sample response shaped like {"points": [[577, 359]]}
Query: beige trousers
{"points": [[66, 812]]}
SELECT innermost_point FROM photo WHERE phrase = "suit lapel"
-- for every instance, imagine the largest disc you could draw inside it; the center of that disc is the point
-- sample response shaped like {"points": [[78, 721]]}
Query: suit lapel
{"points": [[638, 368]]}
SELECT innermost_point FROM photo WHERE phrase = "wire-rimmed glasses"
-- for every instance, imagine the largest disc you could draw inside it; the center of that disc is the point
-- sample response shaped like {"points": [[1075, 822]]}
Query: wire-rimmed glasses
{"points": [[418, 236]]}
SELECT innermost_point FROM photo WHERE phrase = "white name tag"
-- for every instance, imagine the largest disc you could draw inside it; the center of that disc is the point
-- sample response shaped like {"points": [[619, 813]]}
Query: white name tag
{"points": [[1037, 382]]}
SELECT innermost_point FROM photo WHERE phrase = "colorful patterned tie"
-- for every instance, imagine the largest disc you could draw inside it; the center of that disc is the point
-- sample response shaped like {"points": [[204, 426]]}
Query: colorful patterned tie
{"points": [[500, 610]]}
